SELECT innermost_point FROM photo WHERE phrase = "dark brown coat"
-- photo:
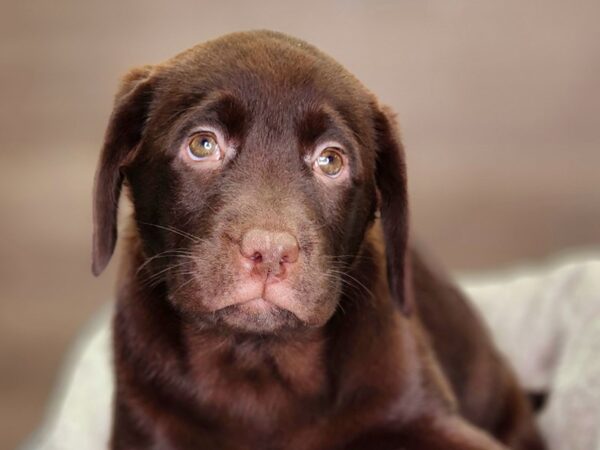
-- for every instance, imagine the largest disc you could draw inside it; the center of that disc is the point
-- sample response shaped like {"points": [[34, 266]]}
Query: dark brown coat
{"points": [[354, 342]]}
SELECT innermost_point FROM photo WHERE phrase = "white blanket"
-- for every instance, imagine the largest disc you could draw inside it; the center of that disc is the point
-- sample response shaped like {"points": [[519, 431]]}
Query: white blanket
{"points": [[545, 319]]}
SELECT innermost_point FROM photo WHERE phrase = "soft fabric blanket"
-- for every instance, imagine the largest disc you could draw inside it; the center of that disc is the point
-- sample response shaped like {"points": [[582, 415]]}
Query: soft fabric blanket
{"points": [[545, 319]]}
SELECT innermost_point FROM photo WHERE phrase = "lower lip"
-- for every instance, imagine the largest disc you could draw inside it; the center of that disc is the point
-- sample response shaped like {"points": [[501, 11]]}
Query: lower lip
{"points": [[257, 304]]}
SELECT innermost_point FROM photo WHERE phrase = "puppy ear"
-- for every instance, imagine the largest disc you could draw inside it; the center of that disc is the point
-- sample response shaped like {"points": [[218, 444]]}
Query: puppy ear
{"points": [[391, 182], [122, 137]]}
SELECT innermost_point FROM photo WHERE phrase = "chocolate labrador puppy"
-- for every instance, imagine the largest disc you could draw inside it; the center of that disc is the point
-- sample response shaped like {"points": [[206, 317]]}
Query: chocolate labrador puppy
{"points": [[268, 298]]}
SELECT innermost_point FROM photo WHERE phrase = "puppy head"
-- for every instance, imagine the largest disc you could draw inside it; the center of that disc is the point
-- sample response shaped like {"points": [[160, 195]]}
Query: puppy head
{"points": [[255, 164]]}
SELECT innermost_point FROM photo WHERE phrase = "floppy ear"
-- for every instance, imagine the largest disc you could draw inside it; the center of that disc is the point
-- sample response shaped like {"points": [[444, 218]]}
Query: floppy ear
{"points": [[390, 175], [122, 137]]}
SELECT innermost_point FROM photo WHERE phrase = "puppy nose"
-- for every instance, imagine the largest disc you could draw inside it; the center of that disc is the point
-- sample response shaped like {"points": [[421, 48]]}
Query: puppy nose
{"points": [[268, 252]]}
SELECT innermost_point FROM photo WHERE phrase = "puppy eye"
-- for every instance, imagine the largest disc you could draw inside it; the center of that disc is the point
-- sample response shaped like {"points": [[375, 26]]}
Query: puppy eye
{"points": [[203, 145], [330, 162]]}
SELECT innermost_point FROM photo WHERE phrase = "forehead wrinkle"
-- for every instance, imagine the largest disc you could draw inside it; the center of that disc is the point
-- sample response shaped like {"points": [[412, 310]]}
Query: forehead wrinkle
{"points": [[318, 124], [323, 123], [276, 149], [221, 110]]}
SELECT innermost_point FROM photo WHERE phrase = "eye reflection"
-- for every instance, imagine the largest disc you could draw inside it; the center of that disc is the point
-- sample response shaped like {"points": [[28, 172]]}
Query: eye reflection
{"points": [[203, 145], [330, 162]]}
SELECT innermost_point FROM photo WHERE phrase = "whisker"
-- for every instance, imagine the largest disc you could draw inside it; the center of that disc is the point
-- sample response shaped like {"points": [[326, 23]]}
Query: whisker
{"points": [[173, 230], [355, 280], [178, 253], [185, 283], [158, 274]]}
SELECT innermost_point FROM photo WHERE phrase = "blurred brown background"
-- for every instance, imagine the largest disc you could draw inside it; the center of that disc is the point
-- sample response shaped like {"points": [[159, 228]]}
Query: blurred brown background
{"points": [[499, 104]]}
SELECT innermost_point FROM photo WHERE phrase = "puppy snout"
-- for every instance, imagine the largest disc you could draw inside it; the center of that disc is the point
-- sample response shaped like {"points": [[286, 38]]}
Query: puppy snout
{"points": [[268, 252]]}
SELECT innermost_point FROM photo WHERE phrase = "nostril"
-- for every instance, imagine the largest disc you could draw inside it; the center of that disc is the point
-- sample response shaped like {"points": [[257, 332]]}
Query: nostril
{"points": [[269, 248], [289, 253]]}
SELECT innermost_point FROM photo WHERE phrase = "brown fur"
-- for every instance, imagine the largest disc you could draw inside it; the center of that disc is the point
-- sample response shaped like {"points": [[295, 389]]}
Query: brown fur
{"points": [[366, 347]]}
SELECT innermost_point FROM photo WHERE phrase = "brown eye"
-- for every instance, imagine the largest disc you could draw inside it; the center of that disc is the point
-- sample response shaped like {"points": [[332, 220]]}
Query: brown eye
{"points": [[203, 145], [330, 162]]}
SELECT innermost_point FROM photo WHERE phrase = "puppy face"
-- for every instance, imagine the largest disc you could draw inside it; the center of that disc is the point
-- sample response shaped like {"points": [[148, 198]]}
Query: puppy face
{"points": [[251, 161]]}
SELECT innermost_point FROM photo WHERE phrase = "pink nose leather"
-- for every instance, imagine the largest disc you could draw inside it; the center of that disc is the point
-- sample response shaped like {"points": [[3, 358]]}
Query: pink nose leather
{"points": [[269, 252]]}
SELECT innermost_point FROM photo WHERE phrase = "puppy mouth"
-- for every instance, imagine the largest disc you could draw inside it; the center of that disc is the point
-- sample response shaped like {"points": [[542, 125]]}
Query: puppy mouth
{"points": [[256, 305], [259, 297], [257, 315]]}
